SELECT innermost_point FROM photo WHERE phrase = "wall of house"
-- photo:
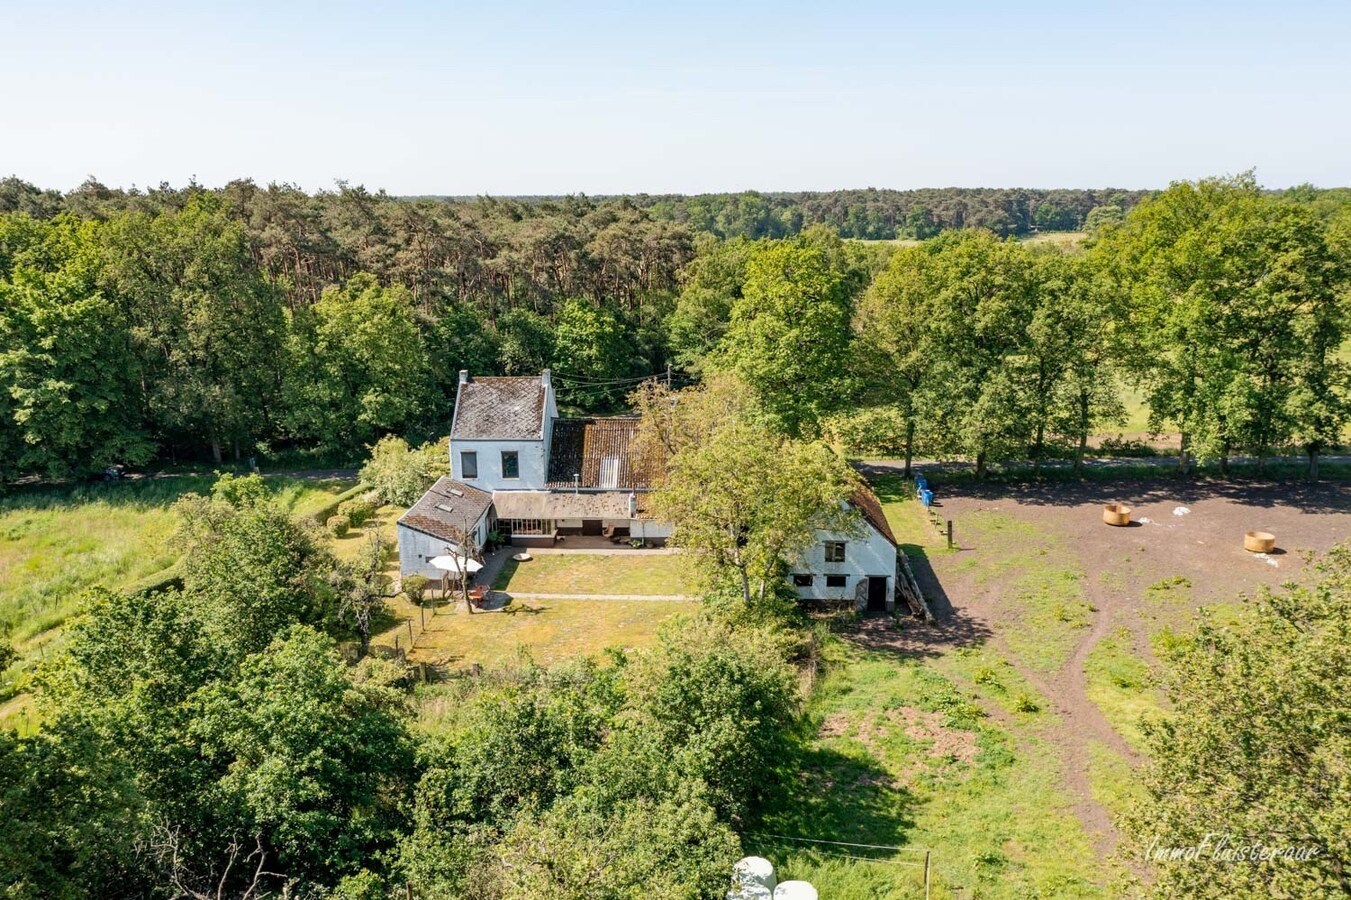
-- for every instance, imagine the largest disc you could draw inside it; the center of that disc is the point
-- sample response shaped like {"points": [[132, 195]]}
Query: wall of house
{"points": [[869, 556], [416, 548], [532, 456]]}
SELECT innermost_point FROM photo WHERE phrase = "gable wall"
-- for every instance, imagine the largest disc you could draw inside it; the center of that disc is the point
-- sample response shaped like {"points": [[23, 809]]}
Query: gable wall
{"points": [[871, 555]]}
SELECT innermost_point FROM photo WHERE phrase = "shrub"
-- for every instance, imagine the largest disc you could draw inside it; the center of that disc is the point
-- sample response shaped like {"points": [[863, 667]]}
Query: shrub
{"points": [[1026, 704], [399, 474], [358, 511], [415, 587], [338, 525], [985, 675]]}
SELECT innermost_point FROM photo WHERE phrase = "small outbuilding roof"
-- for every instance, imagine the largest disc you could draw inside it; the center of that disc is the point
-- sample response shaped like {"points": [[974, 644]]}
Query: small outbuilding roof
{"points": [[446, 509], [500, 408], [566, 505]]}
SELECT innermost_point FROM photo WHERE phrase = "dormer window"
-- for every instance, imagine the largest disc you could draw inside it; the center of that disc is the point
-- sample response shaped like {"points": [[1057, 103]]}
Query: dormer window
{"points": [[511, 464], [468, 464]]}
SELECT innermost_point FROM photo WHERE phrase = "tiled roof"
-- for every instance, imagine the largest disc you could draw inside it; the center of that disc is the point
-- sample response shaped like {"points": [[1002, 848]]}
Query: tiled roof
{"points": [[497, 408], [867, 503], [446, 508], [579, 447]]}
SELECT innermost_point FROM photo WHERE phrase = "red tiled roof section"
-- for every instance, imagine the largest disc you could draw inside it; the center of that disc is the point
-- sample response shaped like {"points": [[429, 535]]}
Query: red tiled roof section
{"points": [[580, 446], [500, 408], [867, 503]]}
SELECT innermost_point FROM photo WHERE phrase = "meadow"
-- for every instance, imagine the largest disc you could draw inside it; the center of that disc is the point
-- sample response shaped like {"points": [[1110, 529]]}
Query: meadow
{"points": [[56, 542]]}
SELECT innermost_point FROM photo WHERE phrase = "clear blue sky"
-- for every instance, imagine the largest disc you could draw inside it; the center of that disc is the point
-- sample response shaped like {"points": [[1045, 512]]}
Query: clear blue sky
{"points": [[522, 98]]}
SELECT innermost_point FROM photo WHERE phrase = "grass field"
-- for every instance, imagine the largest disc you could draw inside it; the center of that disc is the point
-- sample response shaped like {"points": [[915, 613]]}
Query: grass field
{"points": [[1043, 602], [1120, 684], [55, 543], [549, 630], [901, 756], [596, 573]]}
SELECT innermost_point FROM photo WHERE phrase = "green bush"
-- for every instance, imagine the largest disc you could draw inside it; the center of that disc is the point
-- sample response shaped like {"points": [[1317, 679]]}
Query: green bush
{"points": [[357, 511], [414, 587], [322, 514], [338, 525], [1026, 704]]}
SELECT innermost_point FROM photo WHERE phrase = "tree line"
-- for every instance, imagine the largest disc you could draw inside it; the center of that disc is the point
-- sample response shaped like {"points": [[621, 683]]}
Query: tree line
{"points": [[187, 324], [207, 324], [1225, 307], [874, 214]]}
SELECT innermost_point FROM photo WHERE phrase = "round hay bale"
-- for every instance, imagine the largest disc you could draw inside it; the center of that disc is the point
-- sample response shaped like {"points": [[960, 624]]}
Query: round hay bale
{"points": [[1117, 514], [1259, 542], [753, 870], [795, 890]]}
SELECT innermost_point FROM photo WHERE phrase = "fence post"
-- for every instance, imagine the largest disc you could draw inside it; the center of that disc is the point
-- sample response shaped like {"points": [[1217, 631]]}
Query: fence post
{"points": [[926, 874], [410, 629], [949, 534]]}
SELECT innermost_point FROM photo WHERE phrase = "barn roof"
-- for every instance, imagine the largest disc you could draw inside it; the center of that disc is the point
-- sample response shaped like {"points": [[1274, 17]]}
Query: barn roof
{"points": [[866, 502], [579, 447], [445, 510], [500, 408]]}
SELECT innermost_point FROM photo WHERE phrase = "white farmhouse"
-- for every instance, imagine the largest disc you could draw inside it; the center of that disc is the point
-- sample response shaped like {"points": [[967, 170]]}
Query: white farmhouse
{"points": [[535, 479]]}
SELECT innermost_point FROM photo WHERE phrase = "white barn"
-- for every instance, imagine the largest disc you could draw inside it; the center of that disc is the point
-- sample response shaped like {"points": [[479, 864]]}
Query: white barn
{"points": [[859, 568]]}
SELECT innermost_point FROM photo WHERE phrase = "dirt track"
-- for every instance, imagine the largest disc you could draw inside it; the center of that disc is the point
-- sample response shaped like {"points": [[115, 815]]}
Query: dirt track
{"points": [[1192, 531]]}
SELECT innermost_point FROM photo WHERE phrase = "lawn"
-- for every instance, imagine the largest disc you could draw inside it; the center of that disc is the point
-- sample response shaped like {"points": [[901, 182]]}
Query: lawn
{"points": [[54, 543], [1121, 686], [549, 630], [592, 574]]}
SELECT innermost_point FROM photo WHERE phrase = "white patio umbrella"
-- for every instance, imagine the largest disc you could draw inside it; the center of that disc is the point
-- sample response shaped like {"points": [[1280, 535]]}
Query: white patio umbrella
{"points": [[453, 564]]}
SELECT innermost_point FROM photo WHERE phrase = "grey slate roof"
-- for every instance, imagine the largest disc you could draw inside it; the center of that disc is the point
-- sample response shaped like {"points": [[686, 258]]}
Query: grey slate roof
{"points": [[446, 509], [500, 408]]}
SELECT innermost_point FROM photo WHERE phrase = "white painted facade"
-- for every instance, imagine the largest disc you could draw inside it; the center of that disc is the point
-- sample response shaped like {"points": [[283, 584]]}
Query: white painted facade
{"points": [[868, 556], [532, 459], [416, 548]]}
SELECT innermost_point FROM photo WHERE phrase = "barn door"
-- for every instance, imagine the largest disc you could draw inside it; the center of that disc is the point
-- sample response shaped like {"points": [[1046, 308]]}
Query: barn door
{"points": [[877, 594]]}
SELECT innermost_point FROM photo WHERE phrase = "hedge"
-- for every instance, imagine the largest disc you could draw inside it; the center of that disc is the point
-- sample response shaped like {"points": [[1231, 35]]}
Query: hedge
{"points": [[164, 580], [331, 507]]}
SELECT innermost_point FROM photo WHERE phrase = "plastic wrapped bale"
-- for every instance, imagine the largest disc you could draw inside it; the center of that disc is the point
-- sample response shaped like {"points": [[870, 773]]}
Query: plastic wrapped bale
{"points": [[751, 871], [750, 892], [795, 890]]}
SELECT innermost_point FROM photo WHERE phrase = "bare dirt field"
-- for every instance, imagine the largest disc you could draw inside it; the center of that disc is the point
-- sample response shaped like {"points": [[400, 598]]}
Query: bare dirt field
{"points": [[1075, 606]]}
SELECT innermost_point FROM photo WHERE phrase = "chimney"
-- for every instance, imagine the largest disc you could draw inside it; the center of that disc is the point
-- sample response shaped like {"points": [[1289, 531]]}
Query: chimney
{"points": [[464, 376], [546, 379]]}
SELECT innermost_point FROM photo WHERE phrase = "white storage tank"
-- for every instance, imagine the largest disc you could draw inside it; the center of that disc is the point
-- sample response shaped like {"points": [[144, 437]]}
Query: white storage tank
{"points": [[795, 890]]}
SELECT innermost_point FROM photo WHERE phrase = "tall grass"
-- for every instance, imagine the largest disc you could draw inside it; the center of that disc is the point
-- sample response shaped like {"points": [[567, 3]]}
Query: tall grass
{"points": [[57, 542]]}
